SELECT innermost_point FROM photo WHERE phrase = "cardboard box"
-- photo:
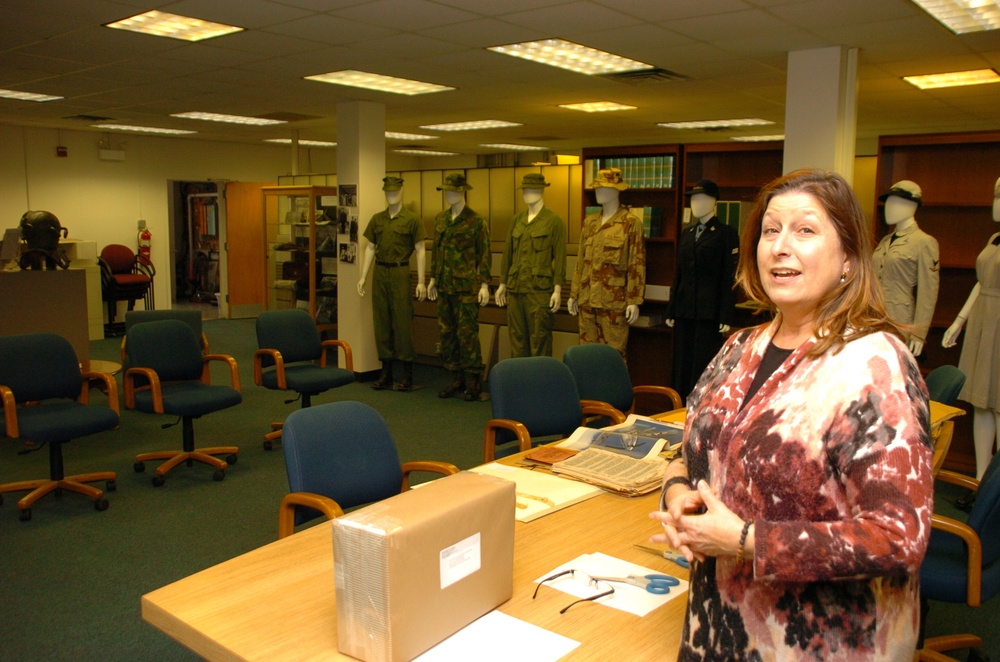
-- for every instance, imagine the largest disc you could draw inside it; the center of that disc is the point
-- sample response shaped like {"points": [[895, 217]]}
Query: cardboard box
{"points": [[414, 569]]}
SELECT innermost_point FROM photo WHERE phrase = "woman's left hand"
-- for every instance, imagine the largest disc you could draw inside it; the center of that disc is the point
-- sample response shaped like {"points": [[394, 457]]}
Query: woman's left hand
{"points": [[715, 532]]}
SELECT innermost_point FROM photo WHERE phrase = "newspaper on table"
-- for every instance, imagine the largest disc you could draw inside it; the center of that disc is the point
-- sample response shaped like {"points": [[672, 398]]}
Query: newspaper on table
{"points": [[613, 471], [649, 436]]}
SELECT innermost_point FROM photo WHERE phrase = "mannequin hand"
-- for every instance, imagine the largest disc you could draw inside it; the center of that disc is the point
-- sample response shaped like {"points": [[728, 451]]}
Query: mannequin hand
{"points": [[421, 292], [669, 323], [556, 299], [572, 307], [501, 295], [484, 294], [631, 313], [361, 287], [951, 335], [723, 328], [916, 346], [432, 290]]}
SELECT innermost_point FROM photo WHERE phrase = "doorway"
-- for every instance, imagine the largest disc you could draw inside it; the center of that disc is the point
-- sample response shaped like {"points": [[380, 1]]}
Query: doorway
{"points": [[196, 218]]}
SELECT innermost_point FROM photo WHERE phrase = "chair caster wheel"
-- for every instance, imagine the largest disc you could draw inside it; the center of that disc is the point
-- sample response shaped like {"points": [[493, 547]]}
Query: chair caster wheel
{"points": [[218, 475], [231, 459], [189, 463], [111, 485], [139, 467], [268, 446], [26, 515], [101, 504], [1, 499], [158, 481], [978, 655]]}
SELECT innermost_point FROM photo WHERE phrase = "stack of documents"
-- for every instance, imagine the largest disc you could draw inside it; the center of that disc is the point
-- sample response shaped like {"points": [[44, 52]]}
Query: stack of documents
{"points": [[539, 493], [614, 471]]}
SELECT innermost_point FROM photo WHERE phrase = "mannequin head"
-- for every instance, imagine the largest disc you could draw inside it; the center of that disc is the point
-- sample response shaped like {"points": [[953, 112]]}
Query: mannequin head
{"points": [[452, 198], [899, 209], [531, 195], [393, 188], [605, 194], [393, 197], [996, 201], [702, 205], [454, 188]]}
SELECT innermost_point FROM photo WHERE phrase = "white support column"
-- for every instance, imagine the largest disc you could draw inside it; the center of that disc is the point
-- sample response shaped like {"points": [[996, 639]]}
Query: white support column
{"points": [[360, 162], [821, 110]]}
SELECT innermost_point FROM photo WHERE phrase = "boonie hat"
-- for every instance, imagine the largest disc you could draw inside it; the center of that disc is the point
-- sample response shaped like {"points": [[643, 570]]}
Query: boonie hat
{"points": [[533, 180], [904, 189], [455, 182], [609, 178], [392, 183], [706, 186]]}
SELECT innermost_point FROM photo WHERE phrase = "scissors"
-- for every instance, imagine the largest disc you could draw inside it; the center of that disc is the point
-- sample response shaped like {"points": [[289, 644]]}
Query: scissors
{"points": [[668, 554], [658, 584]]}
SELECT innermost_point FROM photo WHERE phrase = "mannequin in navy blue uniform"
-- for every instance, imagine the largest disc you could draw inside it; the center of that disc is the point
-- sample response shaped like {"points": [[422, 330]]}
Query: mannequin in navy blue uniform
{"points": [[702, 299]]}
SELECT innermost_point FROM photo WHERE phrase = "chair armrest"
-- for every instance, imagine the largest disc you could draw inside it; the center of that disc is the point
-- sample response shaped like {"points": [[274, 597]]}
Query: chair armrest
{"points": [[154, 386], [110, 387], [124, 338], [9, 412], [443, 468], [234, 370], [663, 391], [286, 511], [599, 408], [348, 354], [958, 479], [279, 367], [490, 436], [974, 554]]}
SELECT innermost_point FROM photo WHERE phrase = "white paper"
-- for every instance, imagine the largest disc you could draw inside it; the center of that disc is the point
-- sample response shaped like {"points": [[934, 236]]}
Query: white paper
{"points": [[460, 560], [539, 493], [497, 637]]}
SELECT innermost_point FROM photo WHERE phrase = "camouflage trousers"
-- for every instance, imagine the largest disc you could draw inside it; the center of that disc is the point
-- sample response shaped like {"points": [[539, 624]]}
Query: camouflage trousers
{"points": [[529, 323], [458, 322], [598, 325], [392, 312]]}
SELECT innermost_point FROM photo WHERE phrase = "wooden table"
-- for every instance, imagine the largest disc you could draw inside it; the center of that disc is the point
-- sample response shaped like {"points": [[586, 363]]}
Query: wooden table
{"points": [[278, 602]]}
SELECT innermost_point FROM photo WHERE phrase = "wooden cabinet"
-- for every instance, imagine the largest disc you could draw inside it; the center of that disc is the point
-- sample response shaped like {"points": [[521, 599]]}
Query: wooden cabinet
{"points": [[301, 243]]}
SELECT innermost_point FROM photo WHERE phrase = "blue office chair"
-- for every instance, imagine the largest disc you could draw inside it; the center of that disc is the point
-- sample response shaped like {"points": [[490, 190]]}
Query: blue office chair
{"points": [[168, 374], [944, 383], [534, 399], [341, 455], [292, 357], [45, 400], [963, 559], [190, 317], [601, 374]]}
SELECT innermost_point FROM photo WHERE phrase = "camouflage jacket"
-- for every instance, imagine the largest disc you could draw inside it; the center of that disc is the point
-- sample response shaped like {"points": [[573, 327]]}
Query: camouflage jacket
{"points": [[534, 257], [461, 252], [611, 267]]}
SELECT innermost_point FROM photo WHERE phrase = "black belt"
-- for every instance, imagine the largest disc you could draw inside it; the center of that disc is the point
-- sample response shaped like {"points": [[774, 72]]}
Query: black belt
{"points": [[392, 264]]}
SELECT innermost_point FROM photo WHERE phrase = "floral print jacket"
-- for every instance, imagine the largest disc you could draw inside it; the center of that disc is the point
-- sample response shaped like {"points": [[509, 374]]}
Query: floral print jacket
{"points": [[831, 458]]}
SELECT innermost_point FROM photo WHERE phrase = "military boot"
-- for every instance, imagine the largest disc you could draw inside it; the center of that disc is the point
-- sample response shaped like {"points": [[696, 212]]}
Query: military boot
{"points": [[457, 384], [406, 383], [474, 387], [384, 380]]}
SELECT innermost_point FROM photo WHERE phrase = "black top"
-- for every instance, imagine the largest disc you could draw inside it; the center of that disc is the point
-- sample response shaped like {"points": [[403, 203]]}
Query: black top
{"points": [[774, 356]]}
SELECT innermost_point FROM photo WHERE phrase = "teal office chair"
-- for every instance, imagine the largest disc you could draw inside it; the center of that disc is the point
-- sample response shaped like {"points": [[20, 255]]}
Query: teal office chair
{"points": [[190, 317], [293, 357], [534, 399], [601, 374], [46, 401], [944, 383], [341, 455], [168, 374]]}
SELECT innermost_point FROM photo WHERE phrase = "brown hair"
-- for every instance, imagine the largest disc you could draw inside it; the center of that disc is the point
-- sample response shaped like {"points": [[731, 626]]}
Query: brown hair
{"points": [[854, 307]]}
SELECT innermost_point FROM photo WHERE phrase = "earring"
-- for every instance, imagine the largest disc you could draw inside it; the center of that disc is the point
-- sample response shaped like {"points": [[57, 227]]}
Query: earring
{"points": [[843, 277]]}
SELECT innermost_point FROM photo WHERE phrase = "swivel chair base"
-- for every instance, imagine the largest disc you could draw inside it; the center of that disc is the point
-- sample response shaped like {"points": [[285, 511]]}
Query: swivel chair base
{"points": [[933, 650], [189, 455]]}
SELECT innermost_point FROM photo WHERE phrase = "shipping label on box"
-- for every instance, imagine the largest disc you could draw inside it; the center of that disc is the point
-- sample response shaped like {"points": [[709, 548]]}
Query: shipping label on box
{"points": [[414, 569]]}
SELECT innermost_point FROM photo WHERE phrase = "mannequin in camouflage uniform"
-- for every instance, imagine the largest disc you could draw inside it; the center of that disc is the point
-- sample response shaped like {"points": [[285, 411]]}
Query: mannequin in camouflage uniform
{"points": [[532, 271], [461, 273], [394, 234], [610, 278]]}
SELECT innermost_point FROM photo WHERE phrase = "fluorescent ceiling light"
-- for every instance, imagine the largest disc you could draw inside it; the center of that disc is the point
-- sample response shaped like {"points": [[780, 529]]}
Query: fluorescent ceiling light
{"points": [[953, 79], [962, 16], [162, 24], [142, 129], [758, 139], [26, 96], [396, 135], [574, 57], [596, 106], [515, 148], [714, 124], [424, 152], [304, 143], [231, 119], [378, 82], [469, 126]]}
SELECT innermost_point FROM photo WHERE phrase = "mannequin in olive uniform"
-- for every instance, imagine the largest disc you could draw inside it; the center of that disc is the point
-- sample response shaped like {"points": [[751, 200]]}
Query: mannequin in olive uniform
{"points": [[461, 273], [610, 277], [532, 271], [907, 263], [981, 349], [702, 300], [394, 234]]}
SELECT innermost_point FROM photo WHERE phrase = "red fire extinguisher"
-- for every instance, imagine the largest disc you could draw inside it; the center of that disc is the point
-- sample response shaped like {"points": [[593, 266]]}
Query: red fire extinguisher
{"points": [[144, 240]]}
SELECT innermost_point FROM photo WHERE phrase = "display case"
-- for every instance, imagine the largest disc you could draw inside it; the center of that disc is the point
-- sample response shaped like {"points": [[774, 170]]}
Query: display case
{"points": [[301, 243]]}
